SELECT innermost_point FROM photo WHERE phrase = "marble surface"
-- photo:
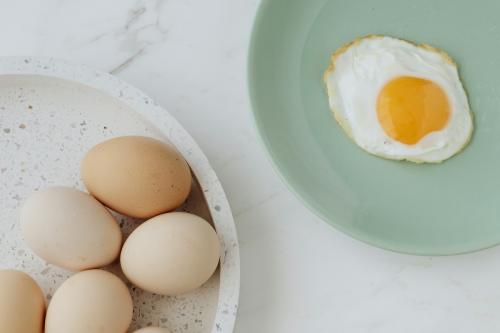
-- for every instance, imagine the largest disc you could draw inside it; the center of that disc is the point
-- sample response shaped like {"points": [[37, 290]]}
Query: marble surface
{"points": [[298, 273]]}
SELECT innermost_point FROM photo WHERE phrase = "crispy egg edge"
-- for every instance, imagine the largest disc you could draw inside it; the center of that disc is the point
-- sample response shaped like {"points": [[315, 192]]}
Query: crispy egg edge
{"points": [[343, 123]]}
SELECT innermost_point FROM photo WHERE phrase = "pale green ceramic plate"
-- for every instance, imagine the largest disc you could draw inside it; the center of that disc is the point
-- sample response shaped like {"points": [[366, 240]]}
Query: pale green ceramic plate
{"points": [[441, 209]]}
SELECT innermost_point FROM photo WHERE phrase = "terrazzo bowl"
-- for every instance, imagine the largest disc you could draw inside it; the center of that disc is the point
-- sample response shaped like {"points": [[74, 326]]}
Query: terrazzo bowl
{"points": [[51, 113]]}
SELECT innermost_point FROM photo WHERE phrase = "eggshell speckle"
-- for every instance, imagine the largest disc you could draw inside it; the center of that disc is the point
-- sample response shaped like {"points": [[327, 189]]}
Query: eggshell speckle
{"points": [[137, 176], [92, 301], [22, 304], [71, 229], [171, 254]]}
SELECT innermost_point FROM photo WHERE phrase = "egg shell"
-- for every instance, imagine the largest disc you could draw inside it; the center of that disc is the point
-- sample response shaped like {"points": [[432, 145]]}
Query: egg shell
{"points": [[93, 301], [171, 254], [70, 229], [137, 176], [22, 304], [153, 330]]}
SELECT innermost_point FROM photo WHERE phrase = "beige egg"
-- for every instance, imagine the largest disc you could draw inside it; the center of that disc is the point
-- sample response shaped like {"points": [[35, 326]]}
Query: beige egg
{"points": [[93, 301], [171, 254], [153, 330], [70, 228], [137, 176], [22, 304]]}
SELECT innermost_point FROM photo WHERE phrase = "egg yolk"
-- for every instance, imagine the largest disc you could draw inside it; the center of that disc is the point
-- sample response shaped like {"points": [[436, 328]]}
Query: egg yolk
{"points": [[409, 108]]}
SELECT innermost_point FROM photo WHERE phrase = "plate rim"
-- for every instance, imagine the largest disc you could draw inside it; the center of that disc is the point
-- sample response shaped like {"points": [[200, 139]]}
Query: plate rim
{"points": [[139, 102], [289, 180]]}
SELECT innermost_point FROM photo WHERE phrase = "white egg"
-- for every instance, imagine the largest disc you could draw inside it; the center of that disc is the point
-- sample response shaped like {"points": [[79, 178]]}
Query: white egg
{"points": [[93, 301], [399, 100], [171, 254], [70, 229]]}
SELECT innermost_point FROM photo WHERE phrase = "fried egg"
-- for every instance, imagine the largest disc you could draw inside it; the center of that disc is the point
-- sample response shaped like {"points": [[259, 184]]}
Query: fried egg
{"points": [[399, 100]]}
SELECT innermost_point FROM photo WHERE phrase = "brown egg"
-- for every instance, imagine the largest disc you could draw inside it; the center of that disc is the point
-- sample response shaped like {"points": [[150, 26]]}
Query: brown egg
{"points": [[71, 229], [137, 176], [92, 301], [153, 330], [171, 254], [22, 304]]}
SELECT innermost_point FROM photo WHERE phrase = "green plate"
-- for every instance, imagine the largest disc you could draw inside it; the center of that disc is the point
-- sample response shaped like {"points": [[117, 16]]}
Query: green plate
{"points": [[442, 209]]}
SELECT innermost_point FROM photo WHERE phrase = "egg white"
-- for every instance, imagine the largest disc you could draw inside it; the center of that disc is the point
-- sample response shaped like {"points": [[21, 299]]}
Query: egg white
{"points": [[359, 71]]}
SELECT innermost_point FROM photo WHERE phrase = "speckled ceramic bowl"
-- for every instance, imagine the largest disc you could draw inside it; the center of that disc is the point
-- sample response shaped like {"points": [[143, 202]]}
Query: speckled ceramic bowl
{"points": [[51, 113]]}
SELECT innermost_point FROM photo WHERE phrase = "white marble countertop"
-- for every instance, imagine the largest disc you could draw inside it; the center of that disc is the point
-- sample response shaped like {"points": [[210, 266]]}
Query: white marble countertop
{"points": [[298, 273]]}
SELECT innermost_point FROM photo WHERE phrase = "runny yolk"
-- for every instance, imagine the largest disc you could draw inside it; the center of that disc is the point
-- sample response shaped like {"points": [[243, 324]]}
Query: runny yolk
{"points": [[409, 108]]}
